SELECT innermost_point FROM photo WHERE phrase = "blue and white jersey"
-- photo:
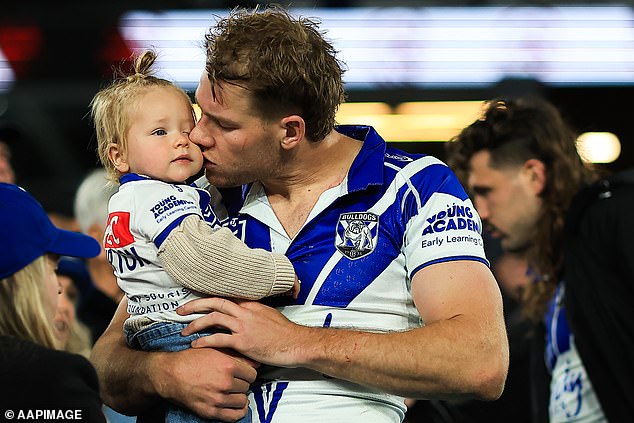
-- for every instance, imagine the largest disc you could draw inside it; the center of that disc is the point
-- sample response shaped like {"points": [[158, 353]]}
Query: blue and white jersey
{"points": [[394, 214], [140, 217], [572, 398]]}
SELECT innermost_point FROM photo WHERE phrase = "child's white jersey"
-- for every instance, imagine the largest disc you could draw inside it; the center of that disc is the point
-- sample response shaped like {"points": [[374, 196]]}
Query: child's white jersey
{"points": [[394, 214], [140, 217]]}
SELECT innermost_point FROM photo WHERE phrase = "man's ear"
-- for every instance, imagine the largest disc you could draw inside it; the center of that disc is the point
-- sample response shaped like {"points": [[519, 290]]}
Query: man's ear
{"points": [[295, 130], [117, 157], [535, 175]]}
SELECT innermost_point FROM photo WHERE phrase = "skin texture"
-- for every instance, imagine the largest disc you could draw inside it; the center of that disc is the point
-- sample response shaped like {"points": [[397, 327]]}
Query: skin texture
{"points": [[158, 142], [52, 286], [238, 146], [507, 199], [66, 314], [448, 358]]}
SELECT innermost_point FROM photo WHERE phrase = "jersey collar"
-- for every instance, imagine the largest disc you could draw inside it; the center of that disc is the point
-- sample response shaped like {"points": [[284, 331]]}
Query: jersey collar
{"points": [[131, 177], [367, 167]]}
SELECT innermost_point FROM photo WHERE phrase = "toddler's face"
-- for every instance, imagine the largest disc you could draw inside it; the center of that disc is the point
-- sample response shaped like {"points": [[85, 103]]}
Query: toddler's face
{"points": [[158, 138]]}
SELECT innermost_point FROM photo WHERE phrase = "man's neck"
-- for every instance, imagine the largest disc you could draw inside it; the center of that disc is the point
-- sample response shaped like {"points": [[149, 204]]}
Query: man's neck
{"points": [[315, 168]]}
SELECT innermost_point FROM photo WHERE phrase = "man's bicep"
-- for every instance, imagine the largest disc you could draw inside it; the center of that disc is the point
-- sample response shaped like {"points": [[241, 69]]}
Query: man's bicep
{"points": [[445, 290], [119, 317]]}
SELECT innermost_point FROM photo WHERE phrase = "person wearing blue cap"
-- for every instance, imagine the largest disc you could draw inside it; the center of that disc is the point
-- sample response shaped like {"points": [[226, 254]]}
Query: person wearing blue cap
{"points": [[34, 375]]}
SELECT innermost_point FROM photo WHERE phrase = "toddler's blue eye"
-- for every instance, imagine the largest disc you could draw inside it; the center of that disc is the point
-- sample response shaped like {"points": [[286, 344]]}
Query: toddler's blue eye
{"points": [[160, 132]]}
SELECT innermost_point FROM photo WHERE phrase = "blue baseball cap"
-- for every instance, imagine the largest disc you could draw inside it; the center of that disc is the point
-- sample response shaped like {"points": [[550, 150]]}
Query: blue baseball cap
{"points": [[26, 233]]}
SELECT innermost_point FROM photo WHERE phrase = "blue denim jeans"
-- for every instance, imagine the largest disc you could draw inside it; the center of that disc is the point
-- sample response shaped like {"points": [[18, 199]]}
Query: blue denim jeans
{"points": [[166, 336]]}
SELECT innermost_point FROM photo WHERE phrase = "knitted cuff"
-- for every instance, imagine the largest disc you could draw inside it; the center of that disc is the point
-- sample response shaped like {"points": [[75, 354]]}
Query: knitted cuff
{"points": [[218, 263]]}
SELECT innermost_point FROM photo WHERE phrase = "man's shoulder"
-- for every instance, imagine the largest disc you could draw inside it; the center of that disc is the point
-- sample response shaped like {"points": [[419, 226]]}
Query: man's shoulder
{"points": [[603, 201]]}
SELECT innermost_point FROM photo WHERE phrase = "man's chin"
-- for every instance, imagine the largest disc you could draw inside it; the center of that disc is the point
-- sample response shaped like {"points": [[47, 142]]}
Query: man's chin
{"points": [[220, 182], [513, 247]]}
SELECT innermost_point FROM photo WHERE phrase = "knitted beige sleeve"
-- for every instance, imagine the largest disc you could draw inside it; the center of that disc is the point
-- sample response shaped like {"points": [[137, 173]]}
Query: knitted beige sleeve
{"points": [[215, 262]]}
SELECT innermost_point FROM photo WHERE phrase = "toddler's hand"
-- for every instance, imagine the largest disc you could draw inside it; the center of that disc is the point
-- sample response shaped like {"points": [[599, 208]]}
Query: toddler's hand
{"points": [[294, 292]]}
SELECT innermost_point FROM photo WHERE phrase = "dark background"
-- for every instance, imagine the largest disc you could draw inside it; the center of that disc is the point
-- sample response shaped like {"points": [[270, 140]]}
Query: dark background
{"points": [[62, 53]]}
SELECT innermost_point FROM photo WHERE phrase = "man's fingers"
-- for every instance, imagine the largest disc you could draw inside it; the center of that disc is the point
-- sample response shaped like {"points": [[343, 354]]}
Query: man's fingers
{"points": [[245, 372], [210, 321], [239, 386], [249, 362], [216, 340], [230, 414], [207, 305]]}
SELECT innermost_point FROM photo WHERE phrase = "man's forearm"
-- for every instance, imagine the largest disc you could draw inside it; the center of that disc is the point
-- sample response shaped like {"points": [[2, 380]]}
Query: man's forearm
{"points": [[123, 373], [447, 359], [210, 383], [461, 352]]}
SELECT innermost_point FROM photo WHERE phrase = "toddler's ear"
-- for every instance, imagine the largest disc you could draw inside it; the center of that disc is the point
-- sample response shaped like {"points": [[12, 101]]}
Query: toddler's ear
{"points": [[118, 158]]}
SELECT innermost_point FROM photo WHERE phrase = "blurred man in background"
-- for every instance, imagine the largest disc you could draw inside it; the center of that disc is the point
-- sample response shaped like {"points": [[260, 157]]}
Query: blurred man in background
{"points": [[536, 196]]}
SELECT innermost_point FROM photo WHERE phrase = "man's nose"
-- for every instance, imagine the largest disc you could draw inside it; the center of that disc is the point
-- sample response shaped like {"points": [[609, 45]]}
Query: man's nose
{"points": [[200, 136]]}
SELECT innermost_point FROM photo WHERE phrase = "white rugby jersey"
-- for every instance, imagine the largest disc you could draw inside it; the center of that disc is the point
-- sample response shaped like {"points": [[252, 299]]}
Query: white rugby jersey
{"points": [[394, 214], [572, 397], [140, 217]]}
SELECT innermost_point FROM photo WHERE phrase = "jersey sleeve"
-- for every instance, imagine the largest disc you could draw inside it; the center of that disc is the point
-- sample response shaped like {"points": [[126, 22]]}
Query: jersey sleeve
{"points": [[160, 207], [442, 224], [215, 262]]}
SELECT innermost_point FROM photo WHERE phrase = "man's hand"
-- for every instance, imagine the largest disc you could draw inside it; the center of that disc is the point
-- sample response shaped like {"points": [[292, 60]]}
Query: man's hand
{"points": [[257, 331], [210, 383], [460, 352]]}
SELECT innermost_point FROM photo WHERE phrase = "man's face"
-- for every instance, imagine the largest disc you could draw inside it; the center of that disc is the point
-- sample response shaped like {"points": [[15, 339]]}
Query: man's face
{"points": [[238, 145], [507, 200]]}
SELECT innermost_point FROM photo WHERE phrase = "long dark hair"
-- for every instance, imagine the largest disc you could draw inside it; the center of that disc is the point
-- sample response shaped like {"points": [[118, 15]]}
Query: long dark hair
{"points": [[514, 131]]}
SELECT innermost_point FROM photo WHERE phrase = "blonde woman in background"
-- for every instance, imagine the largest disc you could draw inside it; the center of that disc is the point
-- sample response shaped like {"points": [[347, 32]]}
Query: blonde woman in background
{"points": [[35, 375]]}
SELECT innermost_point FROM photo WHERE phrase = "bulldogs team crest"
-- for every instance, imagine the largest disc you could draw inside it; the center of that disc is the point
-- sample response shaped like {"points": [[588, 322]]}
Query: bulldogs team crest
{"points": [[357, 234]]}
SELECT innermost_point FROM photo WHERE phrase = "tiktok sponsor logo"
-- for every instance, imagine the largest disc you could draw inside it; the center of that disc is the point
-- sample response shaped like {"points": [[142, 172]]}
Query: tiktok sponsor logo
{"points": [[123, 259]]}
